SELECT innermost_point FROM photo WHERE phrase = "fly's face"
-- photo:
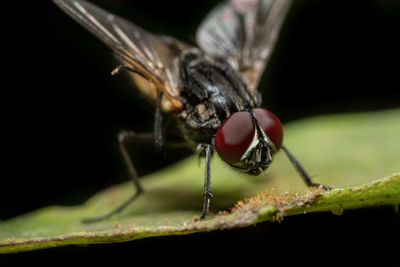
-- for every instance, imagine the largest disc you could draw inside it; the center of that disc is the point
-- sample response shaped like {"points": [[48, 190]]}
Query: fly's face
{"points": [[247, 140]]}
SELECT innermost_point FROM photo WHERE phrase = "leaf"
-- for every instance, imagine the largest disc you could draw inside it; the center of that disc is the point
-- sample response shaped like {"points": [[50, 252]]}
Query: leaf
{"points": [[348, 152]]}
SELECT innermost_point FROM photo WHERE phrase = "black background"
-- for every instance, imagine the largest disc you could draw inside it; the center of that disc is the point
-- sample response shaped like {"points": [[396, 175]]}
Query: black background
{"points": [[62, 110]]}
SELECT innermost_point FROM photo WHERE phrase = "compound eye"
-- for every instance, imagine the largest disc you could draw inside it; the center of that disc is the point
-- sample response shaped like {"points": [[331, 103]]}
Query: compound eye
{"points": [[271, 125], [234, 137]]}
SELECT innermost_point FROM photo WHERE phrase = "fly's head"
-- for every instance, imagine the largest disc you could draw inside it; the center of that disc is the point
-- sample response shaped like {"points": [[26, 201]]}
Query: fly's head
{"points": [[248, 139]]}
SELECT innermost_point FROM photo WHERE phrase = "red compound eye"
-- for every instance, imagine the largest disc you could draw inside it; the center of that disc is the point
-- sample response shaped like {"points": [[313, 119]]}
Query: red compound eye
{"points": [[271, 125], [234, 137]]}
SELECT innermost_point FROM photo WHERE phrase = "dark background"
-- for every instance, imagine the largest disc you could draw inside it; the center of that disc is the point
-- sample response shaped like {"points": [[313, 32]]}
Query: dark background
{"points": [[63, 109]]}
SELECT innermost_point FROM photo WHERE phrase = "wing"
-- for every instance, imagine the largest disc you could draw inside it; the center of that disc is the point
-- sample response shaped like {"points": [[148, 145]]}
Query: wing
{"points": [[244, 33], [151, 57]]}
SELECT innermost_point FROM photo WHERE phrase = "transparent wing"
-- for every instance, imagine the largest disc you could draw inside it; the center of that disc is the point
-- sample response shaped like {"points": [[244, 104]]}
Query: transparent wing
{"points": [[243, 32], [152, 57]]}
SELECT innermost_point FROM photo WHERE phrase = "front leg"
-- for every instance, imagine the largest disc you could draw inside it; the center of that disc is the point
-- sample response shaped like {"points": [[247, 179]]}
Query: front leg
{"points": [[301, 171], [206, 151]]}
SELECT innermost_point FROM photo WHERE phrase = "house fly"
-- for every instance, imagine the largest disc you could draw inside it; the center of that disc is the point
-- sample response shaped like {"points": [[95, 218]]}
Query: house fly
{"points": [[209, 88]]}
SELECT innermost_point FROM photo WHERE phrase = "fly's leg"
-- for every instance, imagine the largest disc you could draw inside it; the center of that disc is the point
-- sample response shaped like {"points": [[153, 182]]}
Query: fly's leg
{"points": [[123, 138], [301, 171], [206, 151], [119, 68], [158, 133]]}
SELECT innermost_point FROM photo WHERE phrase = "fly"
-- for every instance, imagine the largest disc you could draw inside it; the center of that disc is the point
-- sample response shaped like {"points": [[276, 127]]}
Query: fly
{"points": [[211, 88]]}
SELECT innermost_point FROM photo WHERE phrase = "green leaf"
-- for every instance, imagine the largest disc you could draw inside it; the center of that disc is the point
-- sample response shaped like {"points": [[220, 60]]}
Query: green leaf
{"points": [[354, 153]]}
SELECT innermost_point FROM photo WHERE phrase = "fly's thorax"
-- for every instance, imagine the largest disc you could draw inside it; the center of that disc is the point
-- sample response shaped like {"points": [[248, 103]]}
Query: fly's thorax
{"points": [[199, 125], [211, 92]]}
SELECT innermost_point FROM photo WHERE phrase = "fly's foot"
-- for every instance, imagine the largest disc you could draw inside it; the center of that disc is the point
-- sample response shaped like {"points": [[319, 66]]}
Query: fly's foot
{"points": [[207, 197], [321, 186]]}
